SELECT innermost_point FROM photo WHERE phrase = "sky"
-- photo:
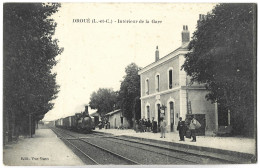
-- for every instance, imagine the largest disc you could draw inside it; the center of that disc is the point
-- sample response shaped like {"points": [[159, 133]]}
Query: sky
{"points": [[95, 54]]}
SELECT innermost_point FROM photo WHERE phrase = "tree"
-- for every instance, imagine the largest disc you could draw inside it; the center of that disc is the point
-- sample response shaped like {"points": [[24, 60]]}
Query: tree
{"points": [[129, 93], [223, 57], [104, 100], [29, 55]]}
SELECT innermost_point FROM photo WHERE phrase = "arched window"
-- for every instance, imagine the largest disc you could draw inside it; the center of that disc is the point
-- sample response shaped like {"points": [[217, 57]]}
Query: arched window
{"points": [[147, 86], [170, 85], [157, 82]]}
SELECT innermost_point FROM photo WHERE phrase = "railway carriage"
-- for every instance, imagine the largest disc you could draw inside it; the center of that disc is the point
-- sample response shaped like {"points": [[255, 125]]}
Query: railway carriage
{"points": [[59, 122], [79, 122]]}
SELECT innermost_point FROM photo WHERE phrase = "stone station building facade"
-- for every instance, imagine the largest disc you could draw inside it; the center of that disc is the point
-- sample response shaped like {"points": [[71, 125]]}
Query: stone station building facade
{"points": [[166, 92]]}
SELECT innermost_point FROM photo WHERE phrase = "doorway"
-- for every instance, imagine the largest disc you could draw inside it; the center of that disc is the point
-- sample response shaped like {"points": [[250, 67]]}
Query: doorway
{"points": [[148, 111], [159, 114], [122, 120], [172, 116], [115, 123], [222, 115]]}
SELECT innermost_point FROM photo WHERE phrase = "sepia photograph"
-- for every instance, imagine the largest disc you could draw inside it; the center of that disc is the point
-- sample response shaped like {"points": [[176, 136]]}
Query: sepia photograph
{"points": [[129, 83]]}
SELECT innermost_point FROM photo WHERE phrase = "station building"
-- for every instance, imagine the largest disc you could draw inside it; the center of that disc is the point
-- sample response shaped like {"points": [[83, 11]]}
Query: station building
{"points": [[96, 118], [116, 119], [166, 92]]}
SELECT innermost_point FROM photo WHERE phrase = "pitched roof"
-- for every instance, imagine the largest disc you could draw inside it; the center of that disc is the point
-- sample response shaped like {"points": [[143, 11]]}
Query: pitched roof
{"points": [[181, 49], [94, 114], [113, 112]]}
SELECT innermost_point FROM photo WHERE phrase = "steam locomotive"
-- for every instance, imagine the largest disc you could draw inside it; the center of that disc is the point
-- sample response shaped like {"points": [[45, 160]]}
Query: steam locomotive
{"points": [[80, 122]]}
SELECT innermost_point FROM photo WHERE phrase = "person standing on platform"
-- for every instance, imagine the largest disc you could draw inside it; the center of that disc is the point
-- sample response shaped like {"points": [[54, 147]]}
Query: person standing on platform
{"points": [[163, 127], [136, 126], [181, 128], [154, 126], [194, 124], [141, 125], [145, 125], [148, 125]]}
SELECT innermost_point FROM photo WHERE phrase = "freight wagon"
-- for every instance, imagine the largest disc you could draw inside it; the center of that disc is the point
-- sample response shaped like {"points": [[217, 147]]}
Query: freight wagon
{"points": [[79, 122]]}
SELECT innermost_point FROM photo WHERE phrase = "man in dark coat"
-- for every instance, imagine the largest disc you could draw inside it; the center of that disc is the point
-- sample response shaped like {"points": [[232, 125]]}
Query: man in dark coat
{"points": [[149, 124], [154, 126], [181, 128]]}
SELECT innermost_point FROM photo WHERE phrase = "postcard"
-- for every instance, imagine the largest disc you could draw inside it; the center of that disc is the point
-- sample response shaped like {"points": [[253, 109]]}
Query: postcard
{"points": [[129, 84]]}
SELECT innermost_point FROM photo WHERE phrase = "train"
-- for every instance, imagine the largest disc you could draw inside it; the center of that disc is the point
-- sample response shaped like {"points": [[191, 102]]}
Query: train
{"points": [[80, 122]]}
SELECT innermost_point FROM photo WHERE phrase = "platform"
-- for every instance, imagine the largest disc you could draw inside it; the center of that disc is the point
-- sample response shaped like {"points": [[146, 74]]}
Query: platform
{"points": [[44, 149], [236, 144]]}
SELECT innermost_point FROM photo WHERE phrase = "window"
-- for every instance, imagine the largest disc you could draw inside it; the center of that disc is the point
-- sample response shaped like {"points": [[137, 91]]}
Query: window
{"points": [[147, 86], [157, 82], [170, 79]]}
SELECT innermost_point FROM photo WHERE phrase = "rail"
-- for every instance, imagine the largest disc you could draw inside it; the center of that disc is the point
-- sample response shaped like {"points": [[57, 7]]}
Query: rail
{"points": [[75, 147], [106, 150]]}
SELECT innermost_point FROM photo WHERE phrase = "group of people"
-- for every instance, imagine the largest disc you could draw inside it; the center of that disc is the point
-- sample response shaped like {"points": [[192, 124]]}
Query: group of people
{"points": [[146, 125], [186, 128], [104, 124]]}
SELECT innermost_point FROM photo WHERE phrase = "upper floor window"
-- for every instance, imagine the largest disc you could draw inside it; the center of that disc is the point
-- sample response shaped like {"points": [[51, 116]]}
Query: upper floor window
{"points": [[157, 82], [147, 86], [170, 78]]}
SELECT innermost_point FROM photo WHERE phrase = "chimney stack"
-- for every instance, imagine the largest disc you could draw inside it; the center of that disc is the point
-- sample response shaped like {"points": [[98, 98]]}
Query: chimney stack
{"points": [[201, 18], [185, 34], [156, 54]]}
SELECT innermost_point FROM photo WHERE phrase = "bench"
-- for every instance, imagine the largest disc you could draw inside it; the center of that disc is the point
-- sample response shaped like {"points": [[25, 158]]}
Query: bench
{"points": [[224, 130]]}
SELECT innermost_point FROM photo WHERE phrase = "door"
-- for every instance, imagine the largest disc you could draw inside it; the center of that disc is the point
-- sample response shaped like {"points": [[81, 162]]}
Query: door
{"points": [[115, 123], [148, 111], [159, 114], [172, 116], [122, 120], [222, 115]]}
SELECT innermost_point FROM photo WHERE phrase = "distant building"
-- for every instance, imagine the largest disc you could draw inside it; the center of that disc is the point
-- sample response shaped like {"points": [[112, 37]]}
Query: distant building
{"points": [[165, 91], [116, 119], [96, 118]]}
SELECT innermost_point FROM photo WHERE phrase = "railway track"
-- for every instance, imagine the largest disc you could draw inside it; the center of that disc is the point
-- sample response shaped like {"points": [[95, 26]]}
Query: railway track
{"points": [[89, 160], [194, 157], [142, 151], [93, 153], [171, 153]]}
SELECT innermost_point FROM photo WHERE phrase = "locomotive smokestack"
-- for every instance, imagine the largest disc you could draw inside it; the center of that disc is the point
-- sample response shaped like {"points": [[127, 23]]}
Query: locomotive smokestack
{"points": [[86, 109]]}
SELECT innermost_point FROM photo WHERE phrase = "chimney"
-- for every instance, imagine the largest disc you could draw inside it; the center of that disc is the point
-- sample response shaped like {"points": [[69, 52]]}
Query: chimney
{"points": [[201, 18], [185, 34], [156, 54]]}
